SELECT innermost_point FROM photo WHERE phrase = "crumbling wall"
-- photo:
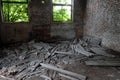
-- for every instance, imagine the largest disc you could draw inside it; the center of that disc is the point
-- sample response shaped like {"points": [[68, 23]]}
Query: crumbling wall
{"points": [[103, 21]]}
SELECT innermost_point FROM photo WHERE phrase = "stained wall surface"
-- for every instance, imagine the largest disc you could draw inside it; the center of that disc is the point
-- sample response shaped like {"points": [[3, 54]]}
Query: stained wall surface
{"points": [[103, 21]]}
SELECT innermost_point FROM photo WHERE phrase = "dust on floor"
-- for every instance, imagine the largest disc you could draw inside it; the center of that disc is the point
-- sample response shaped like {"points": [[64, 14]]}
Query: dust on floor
{"points": [[63, 60]]}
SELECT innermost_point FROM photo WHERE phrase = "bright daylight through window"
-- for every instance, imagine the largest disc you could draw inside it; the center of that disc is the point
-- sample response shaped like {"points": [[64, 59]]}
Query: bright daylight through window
{"points": [[62, 10], [15, 10]]}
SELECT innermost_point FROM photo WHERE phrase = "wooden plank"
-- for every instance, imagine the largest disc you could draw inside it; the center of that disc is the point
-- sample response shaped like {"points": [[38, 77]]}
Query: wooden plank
{"points": [[105, 58], [103, 63], [40, 77], [78, 48], [101, 52], [65, 53], [45, 77], [72, 74], [68, 77], [5, 78]]}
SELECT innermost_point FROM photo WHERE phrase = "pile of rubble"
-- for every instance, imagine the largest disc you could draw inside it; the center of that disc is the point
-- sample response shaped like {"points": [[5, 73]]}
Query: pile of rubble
{"points": [[46, 60]]}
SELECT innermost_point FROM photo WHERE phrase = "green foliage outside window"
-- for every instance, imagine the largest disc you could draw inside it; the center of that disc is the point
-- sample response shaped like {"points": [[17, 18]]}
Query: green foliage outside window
{"points": [[15, 12], [62, 13], [16, 0]]}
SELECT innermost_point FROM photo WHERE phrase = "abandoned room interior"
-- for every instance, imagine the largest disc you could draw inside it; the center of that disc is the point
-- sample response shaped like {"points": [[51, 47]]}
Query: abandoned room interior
{"points": [[59, 39]]}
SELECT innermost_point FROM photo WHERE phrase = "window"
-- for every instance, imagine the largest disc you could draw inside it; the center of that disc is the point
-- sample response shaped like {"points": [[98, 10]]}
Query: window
{"points": [[62, 10], [15, 10]]}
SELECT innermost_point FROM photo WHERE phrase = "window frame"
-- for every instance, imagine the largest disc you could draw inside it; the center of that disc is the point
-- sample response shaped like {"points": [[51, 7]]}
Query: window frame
{"points": [[13, 2], [60, 4]]}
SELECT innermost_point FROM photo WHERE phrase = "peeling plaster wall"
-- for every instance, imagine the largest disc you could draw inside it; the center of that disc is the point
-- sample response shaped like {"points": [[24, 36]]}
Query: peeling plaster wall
{"points": [[103, 21]]}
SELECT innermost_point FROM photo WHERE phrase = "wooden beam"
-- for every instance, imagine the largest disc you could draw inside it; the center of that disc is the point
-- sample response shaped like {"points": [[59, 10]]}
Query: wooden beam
{"points": [[15, 2], [100, 51], [78, 48], [75, 75], [68, 77], [103, 63]]}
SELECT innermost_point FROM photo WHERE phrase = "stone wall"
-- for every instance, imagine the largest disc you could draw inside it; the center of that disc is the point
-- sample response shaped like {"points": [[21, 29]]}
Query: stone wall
{"points": [[103, 21]]}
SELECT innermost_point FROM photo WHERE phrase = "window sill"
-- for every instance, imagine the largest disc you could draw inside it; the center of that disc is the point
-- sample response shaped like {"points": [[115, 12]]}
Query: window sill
{"points": [[57, 22], [15, 22]]}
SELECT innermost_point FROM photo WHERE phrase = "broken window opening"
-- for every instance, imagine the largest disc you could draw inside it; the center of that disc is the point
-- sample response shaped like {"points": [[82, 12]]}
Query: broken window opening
{"points": [[62, 10], [15, 10]]}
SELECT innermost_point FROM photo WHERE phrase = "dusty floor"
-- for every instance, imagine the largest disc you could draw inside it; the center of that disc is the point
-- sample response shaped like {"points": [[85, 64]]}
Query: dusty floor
{"points": [[22, 62], [95, 73]]}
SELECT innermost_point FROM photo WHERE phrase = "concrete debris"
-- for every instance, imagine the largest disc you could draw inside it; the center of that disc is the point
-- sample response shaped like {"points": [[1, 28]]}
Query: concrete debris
{"points": [[78, 48], [12, 70], [34, 65], [40, 77], [40, 59], [100, 51], [92, 41], [45, 77]]}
